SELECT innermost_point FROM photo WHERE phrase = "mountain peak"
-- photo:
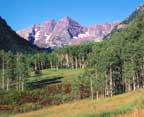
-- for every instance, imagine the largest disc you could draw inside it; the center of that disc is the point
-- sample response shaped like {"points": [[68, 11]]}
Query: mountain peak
{"points": [[49, 21], [67, 18], [56, 34], [140, 7]]}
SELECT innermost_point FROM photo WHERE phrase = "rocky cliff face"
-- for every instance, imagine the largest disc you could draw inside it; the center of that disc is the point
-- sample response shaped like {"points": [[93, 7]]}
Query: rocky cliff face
{"points": [[66, 31]]}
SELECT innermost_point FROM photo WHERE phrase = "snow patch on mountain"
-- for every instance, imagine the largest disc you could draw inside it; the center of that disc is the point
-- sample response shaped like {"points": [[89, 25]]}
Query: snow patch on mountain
{"points": [[66, 31]]}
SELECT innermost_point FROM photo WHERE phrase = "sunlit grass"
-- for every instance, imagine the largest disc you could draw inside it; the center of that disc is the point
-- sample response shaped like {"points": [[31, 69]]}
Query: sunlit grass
{"points": [[68, 74], [120, 104]]}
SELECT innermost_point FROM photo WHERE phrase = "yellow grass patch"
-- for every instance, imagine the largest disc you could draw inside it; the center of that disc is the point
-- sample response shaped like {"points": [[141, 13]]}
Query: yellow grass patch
{"points": [[85, 107]]}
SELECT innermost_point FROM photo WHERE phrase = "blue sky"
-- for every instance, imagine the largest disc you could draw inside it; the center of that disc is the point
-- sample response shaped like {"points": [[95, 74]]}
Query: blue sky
{"points": [[23, 13]]}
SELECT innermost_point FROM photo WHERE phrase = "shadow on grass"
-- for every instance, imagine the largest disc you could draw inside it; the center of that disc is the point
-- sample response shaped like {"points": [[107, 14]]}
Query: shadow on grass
{"points": [[42, 83]]}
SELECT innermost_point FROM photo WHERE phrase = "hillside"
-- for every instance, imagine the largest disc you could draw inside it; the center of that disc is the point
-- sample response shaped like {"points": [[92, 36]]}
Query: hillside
{"points": [[139, 12], [117, 105], [9, 40]]}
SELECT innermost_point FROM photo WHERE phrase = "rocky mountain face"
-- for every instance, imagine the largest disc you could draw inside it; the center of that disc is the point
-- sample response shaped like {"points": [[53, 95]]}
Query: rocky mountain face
{"points": [[9, 40], [66, 31]]}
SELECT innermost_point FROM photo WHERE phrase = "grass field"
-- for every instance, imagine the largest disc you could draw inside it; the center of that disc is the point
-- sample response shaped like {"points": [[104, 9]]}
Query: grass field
{"points": [[121, 105], [68, 74], [68, 77]]}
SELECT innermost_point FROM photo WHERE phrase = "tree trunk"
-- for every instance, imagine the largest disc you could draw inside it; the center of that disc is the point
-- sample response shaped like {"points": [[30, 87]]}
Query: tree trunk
{"points": [[42, 65], [35, 65], [106, 89], [97, 95], [22, 85], [129, 86], [3, 73], [51, 65], [137, 81], [19, 82], [57, 66], [67, 60], [76, 63], [7, 84], [72, 62], [134, 83], [83, 62], [91, 87], [110, 81]]}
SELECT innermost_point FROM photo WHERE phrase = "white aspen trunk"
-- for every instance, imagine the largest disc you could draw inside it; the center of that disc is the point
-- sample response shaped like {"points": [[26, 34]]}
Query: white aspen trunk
{"points": [[61, 60], [76, 63], [129, 86], [39, 62], [143, 78], [72, 62], [18, 82], [106, 86], [137, 80], [39, 65], [142, 75], [7, 84], [91, 87], [42, 65], [134, 84], [3, 73], [110, 81], [51, 65], [82, 61], [35, 65], [22, 86], [57, 66], [97, 95], [67, 60]]}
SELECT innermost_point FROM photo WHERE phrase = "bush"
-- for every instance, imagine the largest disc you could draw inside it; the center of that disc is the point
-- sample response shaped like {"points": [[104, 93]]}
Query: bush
{"points": [[10, 97]]}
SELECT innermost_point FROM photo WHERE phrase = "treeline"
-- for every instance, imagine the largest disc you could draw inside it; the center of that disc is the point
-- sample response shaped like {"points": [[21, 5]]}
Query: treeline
{"points": [[117, 65], [15, 68], [74, 56]]}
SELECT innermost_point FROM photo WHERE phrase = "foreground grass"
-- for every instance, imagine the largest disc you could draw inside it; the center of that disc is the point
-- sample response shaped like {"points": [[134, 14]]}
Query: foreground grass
{"points": [[116, 105]]}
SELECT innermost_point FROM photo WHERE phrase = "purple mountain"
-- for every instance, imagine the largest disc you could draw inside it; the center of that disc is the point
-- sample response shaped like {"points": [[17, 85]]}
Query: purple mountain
{"points": [[66, 31]]}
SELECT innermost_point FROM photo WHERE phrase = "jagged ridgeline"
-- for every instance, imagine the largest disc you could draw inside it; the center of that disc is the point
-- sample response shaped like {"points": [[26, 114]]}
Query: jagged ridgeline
{"points": [[65, 31], [9, 40], [137, 14]]}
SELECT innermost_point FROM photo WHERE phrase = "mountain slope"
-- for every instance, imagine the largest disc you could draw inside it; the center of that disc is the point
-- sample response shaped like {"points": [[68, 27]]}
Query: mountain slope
{"points": [[66, 31], [132, 17], [9, 40], [137, 13]]}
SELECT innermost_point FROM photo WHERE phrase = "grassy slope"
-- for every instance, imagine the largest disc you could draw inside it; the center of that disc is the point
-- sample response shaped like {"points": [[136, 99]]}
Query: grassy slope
{"points": [[87, 108], [67, 74]]}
